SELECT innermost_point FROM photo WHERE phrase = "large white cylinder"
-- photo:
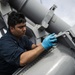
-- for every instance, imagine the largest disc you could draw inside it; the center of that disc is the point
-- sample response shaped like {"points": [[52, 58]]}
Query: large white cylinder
{"points": [[36, 12]]}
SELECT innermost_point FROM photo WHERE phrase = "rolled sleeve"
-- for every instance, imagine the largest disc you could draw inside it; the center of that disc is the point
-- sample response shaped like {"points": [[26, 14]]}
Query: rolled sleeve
{"points": [[28, 43]]}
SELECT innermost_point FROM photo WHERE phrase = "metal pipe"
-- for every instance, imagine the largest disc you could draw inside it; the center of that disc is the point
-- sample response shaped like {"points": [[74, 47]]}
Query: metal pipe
{"points": [[36, 12]]}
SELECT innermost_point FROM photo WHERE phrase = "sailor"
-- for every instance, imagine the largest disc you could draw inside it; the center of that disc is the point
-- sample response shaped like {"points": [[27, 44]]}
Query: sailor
{"points": [[16, 50]]}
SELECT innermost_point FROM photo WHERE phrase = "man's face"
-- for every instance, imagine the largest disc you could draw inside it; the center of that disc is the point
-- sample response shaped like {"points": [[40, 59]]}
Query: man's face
{"points": [[19, 30]]}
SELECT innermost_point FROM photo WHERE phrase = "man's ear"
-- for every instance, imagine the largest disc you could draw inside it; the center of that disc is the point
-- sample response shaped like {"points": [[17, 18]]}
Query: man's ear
{"points": [[11, 29]]}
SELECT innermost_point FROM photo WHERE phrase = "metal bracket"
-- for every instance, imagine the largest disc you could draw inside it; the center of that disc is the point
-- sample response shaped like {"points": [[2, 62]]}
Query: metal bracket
{"points": [[69, 37], [46, 20], [38, 34], [53, 7]]}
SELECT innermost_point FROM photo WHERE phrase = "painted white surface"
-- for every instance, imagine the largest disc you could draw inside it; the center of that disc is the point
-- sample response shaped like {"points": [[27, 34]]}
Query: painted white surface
{"points": [[65, 9]]}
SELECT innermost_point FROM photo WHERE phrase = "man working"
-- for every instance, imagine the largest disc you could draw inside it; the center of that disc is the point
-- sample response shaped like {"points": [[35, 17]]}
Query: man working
{"points": [[15, 48]]}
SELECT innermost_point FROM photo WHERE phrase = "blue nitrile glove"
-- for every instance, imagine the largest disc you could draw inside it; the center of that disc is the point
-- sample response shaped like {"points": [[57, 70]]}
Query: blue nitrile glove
{"points": [[49, 41]]}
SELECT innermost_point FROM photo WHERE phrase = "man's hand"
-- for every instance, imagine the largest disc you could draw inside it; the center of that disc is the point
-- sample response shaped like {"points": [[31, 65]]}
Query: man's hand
{"points": [[49, 41]]}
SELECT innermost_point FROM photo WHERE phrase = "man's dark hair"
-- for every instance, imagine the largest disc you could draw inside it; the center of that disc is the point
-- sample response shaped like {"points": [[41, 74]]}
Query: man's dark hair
{"points": [[15, 18]]}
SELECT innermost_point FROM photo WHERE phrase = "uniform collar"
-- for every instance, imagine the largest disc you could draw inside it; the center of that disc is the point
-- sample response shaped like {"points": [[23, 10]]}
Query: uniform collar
{"points": [[11, 35]]}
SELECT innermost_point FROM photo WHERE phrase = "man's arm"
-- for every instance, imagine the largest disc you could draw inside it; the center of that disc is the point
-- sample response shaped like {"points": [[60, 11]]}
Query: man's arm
{"points": [[33, 46], [30, 55]]}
